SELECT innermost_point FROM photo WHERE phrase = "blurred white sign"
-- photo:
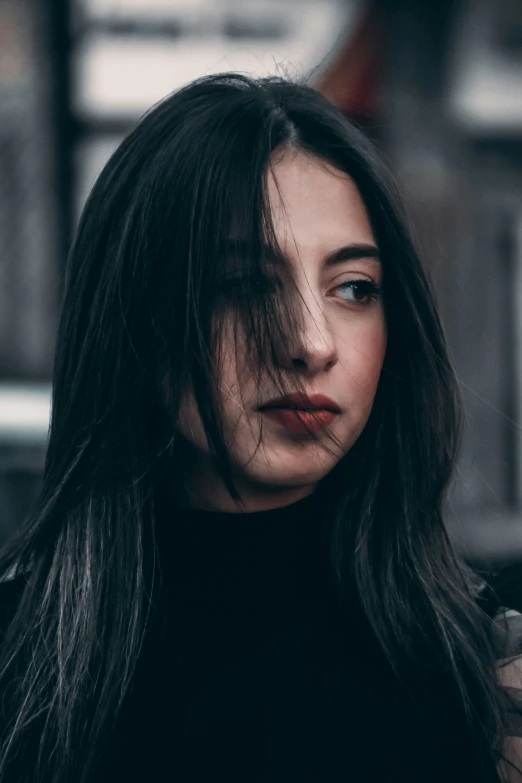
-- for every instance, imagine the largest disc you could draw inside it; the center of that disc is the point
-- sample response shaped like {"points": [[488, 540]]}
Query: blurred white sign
{"points": [[24, 413], [123, 75]]}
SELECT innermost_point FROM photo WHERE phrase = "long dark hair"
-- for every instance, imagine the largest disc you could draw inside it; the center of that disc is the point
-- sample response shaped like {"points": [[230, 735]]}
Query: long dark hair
{"points": [[141, 320]]}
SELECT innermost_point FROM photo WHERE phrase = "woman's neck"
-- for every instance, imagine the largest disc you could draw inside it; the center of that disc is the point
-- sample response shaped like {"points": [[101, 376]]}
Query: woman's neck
{"points": [[197, 486]]}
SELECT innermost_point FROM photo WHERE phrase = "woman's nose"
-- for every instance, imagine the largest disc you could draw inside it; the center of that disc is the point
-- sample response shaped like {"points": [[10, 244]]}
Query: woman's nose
{"points": [[313, 349]]}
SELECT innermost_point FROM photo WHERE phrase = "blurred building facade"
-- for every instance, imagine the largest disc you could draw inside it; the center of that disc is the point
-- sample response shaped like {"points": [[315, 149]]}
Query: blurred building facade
{"points": [[438, 86], [29, 229]]}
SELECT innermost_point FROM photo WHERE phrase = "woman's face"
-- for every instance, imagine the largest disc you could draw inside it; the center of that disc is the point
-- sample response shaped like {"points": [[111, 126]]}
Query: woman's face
{"points": [[317, 213]]}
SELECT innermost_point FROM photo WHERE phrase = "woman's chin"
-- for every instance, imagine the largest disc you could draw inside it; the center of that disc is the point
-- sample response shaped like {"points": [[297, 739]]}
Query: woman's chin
{"points": [[280, 474]]}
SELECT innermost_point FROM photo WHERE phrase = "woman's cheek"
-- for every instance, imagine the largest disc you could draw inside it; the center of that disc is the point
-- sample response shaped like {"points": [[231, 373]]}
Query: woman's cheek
{"points": [[363, 354]]}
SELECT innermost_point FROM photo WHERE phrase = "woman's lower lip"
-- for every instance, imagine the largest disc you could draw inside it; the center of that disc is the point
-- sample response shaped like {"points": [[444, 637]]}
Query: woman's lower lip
{"points": [[300, 422]]}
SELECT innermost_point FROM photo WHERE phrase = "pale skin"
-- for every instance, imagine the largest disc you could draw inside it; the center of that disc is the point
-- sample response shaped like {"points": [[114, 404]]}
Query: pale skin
{"points": [[316, 211]]}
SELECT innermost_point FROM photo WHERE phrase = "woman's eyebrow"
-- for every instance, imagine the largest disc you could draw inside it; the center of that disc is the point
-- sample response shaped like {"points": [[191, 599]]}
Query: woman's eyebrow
{"points": [[352, 252]]}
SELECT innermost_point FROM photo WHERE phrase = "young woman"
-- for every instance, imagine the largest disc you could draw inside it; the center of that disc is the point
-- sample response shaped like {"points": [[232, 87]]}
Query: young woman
{"points": [[237, 567]]}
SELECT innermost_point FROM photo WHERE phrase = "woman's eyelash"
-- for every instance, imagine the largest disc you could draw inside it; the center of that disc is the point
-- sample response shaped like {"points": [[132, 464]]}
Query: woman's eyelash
{"points": [[367, 289]]}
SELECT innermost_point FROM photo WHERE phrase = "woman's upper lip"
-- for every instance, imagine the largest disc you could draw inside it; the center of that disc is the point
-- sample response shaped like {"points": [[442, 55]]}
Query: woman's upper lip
{"points": [[302, 402]]}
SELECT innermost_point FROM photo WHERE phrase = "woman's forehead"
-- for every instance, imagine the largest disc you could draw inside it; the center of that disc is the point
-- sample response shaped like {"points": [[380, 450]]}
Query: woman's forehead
{"points": [[315, 212], [315, 206]]}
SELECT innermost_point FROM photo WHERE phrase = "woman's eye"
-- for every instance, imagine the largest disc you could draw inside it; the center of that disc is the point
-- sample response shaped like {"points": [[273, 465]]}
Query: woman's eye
{"points": [[359, 291]]}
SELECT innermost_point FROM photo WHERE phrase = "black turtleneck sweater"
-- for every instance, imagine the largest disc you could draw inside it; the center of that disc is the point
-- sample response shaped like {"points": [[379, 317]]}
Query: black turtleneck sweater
{"points": [[258, 671]]}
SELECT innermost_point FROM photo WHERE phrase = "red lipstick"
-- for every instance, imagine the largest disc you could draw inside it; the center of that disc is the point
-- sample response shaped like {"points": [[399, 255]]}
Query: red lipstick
{"points": [[301, 414]]}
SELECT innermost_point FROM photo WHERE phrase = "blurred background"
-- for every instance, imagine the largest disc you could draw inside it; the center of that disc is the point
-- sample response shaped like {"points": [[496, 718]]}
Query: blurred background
{"points": [[437, 85]]}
